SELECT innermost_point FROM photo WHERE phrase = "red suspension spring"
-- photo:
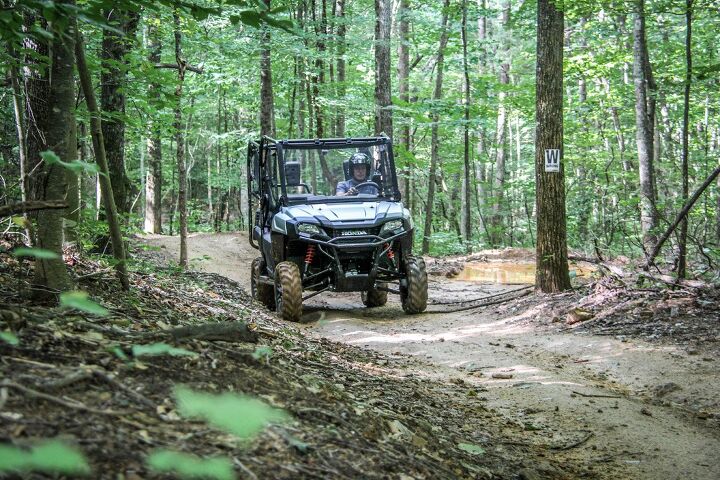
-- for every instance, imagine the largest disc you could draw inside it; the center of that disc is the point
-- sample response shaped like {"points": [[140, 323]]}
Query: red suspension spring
{"points": [[390, 253], [310, 254]]}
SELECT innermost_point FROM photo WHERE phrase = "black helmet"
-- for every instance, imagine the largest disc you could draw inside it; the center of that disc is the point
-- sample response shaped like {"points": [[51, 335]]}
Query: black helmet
{"points": [[360, 159]]}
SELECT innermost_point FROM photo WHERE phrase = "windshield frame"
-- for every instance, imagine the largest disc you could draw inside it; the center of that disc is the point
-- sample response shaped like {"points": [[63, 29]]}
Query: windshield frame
{"points": [[337, 143]]}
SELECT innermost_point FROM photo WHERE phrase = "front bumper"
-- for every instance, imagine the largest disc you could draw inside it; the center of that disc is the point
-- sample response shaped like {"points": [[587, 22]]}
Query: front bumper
{"points": [[338, 249]]}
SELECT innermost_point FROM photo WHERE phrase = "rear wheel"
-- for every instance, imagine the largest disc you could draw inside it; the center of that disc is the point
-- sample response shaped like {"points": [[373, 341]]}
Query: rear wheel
{"points": [[414, 295], [374, 297], [261, 292], [288, 291]]}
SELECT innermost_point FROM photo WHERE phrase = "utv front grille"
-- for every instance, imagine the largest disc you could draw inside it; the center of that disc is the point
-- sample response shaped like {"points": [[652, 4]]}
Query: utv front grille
{"points": [[354, 232]]}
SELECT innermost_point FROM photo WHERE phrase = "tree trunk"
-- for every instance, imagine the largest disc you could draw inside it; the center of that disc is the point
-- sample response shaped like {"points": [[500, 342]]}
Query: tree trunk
{"points": [[682, 241], [19, 121], [180, 145], [104, 177], [501, 151], [341, 49], [267, 109], [318, 80], [500, 159], [112, 98], [480, 174], [466, 186], [435, 141], [383, 92], [404, 93], [552, 268], [644, 121], [153, 184], [72, 178], [51, 275], [37, 100]]}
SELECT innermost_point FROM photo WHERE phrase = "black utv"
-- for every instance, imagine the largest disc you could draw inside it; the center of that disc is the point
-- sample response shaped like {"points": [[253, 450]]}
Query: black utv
{"points": [[328, 217]]}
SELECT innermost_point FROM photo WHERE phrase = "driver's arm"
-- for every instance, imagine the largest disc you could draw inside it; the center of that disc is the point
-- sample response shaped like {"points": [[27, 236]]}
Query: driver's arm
{"points": [[342, 189]]}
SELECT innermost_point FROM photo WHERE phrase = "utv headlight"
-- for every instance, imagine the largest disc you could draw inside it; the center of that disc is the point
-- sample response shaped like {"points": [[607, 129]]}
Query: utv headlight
{"points": [[391, 226], [309, 229]]}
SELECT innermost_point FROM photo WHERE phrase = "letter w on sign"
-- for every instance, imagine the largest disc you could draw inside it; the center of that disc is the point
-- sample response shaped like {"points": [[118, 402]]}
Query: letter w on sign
{"points": [[552, 160]]}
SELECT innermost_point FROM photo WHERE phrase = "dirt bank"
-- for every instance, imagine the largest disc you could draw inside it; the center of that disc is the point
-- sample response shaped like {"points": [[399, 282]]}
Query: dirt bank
{"points": [[620, 405]]}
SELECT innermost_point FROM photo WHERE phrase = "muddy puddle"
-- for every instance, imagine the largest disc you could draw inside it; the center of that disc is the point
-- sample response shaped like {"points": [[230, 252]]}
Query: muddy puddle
{"points": [[510, 273]]}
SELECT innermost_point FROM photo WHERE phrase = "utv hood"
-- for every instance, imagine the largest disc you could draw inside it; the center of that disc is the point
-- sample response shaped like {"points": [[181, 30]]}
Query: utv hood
{"points": [[340, 214]]}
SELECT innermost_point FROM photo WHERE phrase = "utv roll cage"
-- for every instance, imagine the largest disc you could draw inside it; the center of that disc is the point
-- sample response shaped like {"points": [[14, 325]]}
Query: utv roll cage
{"points": [[269, 147]]}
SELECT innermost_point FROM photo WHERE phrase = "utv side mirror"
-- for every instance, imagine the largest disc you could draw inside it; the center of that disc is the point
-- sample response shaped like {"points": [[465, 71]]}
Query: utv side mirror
{"points": [[292, 174]]}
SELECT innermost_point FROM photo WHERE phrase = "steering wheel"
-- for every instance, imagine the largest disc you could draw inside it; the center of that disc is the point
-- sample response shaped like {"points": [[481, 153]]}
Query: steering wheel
{"points": [[372, 184]]}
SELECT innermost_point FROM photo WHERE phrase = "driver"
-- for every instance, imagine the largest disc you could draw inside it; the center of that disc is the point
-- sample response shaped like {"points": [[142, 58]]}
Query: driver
{"points": [[360, 169]]}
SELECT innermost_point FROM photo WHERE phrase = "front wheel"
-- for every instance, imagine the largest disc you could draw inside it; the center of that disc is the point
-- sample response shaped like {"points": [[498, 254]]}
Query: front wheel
{"points": [[288, 291], [414, 295]]}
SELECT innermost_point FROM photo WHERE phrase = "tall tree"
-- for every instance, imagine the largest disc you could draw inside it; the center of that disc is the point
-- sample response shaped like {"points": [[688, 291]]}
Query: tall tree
{"points": [[18, 99], [108, 199], [435, 140], [501, 131], [267, 102], [682, 241], [644, 121], [341, 51], [318, 79], [383, 92], [466, 187], [404, 94], [153, 183], [180, 143], [115, 45], [552, 273], [51, 274], [37, 100]]}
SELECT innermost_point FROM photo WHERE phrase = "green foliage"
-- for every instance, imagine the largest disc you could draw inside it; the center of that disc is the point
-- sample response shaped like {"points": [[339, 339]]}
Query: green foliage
{"points": [[263, 352], [48, 457], [190, 466], [81, 301], [76, 166], [240, 415], [37, 253], [9, 337], [155, 349], [220, 108], [445, 243]]}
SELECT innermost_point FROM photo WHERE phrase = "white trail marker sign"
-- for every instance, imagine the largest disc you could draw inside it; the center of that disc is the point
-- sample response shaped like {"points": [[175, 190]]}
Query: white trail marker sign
{"points": [[552, 160]]}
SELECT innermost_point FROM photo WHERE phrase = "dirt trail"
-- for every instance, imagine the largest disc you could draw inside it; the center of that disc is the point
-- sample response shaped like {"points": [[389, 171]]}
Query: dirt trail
{"points": [[624, 408]]}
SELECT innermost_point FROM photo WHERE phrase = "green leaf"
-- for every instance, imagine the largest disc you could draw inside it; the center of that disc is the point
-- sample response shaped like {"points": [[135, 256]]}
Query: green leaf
{"points": [[9, 337], [49, 457], [155, 349], [251, 18], [471, 449], [190, 466], [240, 415], [39, 253], [118, 352], [80, 301], [76, 165]]}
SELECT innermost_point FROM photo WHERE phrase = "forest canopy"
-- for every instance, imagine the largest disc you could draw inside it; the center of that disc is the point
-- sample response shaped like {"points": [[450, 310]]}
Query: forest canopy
{"points": [[183, 86]]}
